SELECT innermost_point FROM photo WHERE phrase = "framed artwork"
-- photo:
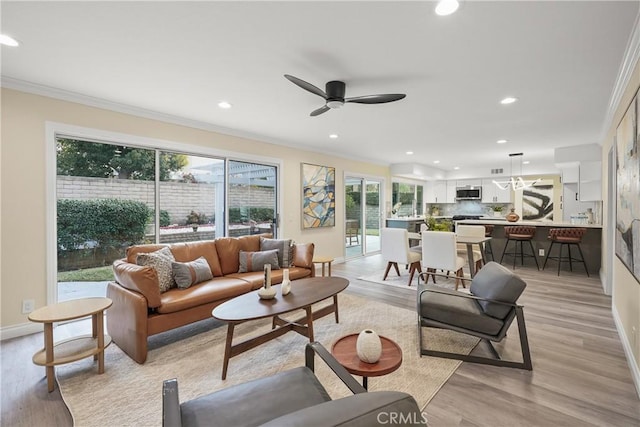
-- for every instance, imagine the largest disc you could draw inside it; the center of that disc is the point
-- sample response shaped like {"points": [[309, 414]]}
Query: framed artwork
{"points": [[318, 196], [537, 201], [628, 190]]}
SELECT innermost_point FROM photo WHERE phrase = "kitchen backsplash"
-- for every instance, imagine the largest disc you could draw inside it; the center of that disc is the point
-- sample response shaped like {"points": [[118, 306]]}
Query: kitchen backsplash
{"points": [[466, 207]]}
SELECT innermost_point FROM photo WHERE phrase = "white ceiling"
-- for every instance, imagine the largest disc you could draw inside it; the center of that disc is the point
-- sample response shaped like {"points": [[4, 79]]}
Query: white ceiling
{"points": [[181, 58]]}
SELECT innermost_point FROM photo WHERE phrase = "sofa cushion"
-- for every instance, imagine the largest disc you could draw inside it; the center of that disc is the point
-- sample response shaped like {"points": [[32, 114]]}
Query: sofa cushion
{"points": [[284, 247], [257, 278], [252, 403], [229, 254], [160, 261], [189, 273], [303, 255], [133, 251], [219, 288], [493, 281], [255, 261], [185, 252], [251, 243], [139, 279]]}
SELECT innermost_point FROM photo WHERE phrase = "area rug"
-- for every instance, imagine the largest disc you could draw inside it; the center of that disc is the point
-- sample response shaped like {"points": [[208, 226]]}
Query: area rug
{"points": [[129, 394]]}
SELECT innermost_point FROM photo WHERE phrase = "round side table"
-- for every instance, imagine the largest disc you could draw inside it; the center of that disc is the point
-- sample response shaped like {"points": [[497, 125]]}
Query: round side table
{"points": [[75, 348], [344, 350], [324, 260]]}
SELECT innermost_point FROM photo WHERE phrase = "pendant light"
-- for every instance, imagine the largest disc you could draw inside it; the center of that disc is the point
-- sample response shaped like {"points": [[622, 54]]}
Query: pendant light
{"points": [[515, 183]]}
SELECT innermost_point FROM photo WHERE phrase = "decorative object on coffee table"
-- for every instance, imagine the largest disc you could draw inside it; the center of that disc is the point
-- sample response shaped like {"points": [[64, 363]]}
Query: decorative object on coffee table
{"points": [[368, 346], [285, 287], [344, 350], [267, 292], [513, 216]]}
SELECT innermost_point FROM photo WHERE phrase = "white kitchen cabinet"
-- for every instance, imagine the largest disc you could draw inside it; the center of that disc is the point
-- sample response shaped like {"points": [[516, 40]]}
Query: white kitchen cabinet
{"points": [[571, 174], [440, 192], [451, 192], [590, 181], [492, 194], [468, 183]]}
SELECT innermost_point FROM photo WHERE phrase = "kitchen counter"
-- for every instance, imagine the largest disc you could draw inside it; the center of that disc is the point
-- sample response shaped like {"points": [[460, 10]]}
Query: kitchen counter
{"points": [[591, 242], [503, 221]]}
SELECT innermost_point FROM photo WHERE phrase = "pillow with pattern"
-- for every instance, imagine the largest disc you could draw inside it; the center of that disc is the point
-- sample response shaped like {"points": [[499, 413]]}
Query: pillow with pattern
{"points": [[189, 273], [284, 247], [161, 261], [255, 261]]}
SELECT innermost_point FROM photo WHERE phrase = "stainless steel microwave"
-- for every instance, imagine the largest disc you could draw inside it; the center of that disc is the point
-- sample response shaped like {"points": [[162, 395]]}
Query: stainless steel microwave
{"points": [[469, 193]]}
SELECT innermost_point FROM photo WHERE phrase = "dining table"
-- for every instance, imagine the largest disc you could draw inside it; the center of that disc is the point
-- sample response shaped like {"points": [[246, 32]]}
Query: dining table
{"points": [[469, 241]]}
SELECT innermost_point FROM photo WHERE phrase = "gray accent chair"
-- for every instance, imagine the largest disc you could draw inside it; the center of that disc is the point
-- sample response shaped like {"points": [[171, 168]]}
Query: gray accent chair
{"points": [[291, 398], [486, 313]]}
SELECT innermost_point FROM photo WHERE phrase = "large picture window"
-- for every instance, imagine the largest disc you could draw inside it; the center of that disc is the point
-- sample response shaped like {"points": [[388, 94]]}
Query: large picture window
{"points": [[110, 196]]}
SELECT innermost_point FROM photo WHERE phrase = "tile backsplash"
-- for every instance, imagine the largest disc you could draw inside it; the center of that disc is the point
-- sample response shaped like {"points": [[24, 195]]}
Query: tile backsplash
{"points": [[467, 207]]}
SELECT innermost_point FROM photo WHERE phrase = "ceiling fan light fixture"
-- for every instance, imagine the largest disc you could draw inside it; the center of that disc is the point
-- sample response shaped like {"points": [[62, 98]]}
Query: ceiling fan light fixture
{"points": [[447, 7], [335, 104]]}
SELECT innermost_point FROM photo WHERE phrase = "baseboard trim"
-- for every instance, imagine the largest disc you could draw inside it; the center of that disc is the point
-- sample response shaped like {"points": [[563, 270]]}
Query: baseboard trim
{"points": [[626, 345], [19, 330]]}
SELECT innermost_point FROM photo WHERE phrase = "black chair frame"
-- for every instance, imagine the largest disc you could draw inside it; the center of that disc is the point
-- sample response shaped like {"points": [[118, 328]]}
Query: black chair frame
{"points": [[516, 312], [515, 252], [171, 402], [569, 258]]}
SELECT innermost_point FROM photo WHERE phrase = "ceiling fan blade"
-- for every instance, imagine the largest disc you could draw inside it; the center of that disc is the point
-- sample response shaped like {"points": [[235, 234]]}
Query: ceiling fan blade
{"points": [[376, 99], [319, 111], [306, 86]]}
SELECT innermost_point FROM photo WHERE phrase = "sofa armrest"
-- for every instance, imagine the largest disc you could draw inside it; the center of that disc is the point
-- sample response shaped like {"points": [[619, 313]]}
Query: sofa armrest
{"points": [[171, 416], [140, 279], [303, 256], [127, 321], [314, 348]]}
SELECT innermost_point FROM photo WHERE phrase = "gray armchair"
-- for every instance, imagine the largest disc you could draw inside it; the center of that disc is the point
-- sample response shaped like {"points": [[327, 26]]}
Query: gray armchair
{"points": [[291, 398], [487, 313]]}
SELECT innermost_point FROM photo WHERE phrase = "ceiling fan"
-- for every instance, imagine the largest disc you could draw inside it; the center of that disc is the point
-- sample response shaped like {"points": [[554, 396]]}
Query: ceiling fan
{"points": [[334, 95]]}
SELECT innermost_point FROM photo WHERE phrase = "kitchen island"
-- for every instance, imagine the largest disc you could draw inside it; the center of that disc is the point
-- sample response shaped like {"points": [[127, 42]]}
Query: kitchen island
{"points": [[591, 242]]}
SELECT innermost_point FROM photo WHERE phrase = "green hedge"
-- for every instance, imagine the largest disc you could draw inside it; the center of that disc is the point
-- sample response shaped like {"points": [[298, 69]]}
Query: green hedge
{"points": [[110, 223], [242, 215]]}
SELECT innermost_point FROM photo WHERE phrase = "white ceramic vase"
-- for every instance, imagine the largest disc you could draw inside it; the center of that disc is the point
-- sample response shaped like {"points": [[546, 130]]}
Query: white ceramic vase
{"points": [[267, 293], [368, 346], [285, 287]]}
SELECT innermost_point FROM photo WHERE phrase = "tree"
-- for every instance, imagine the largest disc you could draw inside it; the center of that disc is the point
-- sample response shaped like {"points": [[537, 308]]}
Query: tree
{"points": [[84, 158]]}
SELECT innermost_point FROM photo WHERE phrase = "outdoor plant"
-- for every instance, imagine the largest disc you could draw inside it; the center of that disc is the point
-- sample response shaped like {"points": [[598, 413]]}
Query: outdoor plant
{"points": [[196, 218]]}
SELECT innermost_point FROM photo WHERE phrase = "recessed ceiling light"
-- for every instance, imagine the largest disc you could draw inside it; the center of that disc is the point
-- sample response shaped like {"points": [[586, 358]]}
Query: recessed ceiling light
{"points": [[508, 100], [436, 161], [333, 136], [447, 7], [502, 141], [526, 162], [224, 105], [8, 41], [409, 153], [456, 168]]}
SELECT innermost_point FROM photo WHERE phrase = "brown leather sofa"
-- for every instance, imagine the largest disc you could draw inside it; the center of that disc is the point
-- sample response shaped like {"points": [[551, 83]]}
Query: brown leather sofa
{"points": [[139, 310]]}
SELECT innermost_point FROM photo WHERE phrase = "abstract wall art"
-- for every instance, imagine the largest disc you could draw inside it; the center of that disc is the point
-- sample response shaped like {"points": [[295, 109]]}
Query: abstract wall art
{"points": [[318, 196], [537, 201], [628, 190]]}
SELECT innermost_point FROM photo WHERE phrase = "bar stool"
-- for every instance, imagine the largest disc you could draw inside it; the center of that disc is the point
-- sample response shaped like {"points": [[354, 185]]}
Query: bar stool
{"points": [[488, 231], [519, 233], [568, 237]]}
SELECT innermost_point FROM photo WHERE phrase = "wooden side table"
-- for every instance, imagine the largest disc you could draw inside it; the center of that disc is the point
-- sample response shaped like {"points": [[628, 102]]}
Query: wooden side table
{"points": [[325, 261], [344, 350], [75, 348]]}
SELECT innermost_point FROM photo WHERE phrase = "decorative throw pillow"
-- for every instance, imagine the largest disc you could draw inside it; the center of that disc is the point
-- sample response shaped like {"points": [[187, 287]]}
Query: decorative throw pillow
{"points": [[161, 262], [284, 247], [189, 273], [255, 261]]}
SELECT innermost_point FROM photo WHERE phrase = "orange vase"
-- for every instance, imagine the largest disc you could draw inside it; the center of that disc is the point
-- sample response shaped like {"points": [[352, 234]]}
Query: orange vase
{"points": [[513, 216]]}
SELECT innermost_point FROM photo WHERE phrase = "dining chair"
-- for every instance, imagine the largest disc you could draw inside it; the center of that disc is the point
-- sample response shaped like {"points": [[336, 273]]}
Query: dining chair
{"points": [[395, 249], [470, 231], [439, 253]]}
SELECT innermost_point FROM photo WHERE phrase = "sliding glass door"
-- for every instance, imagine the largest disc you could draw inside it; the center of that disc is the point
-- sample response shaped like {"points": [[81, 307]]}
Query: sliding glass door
{"points": [[362, 216]]}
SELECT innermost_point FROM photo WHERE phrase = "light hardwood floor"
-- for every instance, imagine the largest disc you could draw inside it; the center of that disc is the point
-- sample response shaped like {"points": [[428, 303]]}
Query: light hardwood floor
{"points": [[580, 376]]}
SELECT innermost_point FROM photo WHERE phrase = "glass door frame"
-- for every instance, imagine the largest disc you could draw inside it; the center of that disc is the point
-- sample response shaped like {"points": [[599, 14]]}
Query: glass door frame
{"points": [[364, 179]]}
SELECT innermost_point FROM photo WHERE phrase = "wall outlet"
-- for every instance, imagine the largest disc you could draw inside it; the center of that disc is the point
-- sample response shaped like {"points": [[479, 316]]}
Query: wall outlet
{"points": [[27, 306], [540, 252]]}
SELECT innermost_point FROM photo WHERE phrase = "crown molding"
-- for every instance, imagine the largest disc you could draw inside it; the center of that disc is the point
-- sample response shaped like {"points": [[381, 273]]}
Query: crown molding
{"points": [[631, 56], [78, 98]]}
